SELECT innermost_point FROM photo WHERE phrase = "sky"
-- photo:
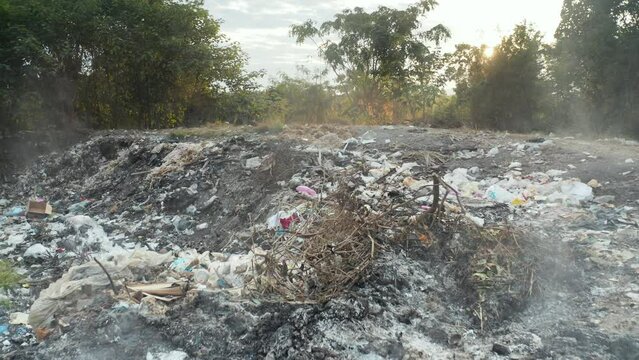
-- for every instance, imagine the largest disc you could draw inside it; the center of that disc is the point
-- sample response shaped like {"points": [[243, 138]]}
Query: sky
{"points": [[262, 26]]}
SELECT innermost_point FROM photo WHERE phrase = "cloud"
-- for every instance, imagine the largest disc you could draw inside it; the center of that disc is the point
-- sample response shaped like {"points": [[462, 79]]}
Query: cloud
{"points": [[262, 26]]}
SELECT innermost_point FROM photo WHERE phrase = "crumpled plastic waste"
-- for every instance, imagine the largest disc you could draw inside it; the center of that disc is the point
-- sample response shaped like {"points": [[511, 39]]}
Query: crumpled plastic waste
{"points": [[19, 318], [283, 219], [181, 264], [499, 194], [368, 137], [413, 184], [306, 191], [555, 173], [572, 193], [37, 251], [493, 152], [462, 182], [79, 206], [15, 211], [89, 275], [287, 222], [253, 163], [172, 355], [593, 183], [181, 155]]}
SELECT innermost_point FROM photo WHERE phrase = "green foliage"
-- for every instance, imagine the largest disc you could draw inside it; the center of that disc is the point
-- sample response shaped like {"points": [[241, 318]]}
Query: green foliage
{"points": [[111, 63], [376, 56], [8, 276], [595, 65], [511, 95], [447, 111], [6, 304], [505, 91], [308, 100]]}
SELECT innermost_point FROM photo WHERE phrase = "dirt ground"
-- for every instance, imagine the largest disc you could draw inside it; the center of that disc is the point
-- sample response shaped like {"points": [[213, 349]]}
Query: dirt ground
{"points": [[556, 279]]}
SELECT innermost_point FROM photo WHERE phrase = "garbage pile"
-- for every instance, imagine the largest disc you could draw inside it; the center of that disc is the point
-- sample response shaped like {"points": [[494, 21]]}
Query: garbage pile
{"points": [[276, 248], [515, 189]]}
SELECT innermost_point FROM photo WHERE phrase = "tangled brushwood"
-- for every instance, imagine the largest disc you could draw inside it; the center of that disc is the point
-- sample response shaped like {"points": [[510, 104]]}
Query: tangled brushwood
{"points": [[497, 265], [324, 256]]}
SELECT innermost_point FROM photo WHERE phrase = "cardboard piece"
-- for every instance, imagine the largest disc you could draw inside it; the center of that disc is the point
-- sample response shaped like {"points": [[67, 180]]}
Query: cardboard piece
{"points": [[39, 208], [159, 289]]}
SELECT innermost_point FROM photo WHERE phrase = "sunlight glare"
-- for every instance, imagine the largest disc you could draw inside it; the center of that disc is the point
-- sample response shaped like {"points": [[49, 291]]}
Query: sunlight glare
{"points": [[488, 51]]}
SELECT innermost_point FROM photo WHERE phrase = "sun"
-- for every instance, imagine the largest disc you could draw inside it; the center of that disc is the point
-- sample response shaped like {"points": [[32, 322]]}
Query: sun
{"points": [[489, 51]]}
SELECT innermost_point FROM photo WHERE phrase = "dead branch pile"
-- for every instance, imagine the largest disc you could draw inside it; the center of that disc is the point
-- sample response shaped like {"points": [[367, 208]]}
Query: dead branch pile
{"points": [[324, 256], [332, 244]]}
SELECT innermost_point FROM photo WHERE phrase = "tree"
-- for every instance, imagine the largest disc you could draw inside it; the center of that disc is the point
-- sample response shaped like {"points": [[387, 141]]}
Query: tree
{"points": [[505, 91], [111, 63], [596, 65], [375, 55], [308, 99], [510, 98]]}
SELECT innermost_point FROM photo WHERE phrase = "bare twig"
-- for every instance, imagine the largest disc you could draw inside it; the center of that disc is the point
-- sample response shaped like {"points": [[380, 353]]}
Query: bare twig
{"points": [[108, 276]]}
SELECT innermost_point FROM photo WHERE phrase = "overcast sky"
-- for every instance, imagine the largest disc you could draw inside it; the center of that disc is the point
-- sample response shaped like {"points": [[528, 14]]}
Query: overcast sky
{"points": [[262, 26]]}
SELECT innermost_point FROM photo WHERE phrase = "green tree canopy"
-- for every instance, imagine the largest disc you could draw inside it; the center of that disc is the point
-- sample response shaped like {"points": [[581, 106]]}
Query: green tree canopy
{"points": [[506, 90], [110, 63], [596, 64], [374, 55]]}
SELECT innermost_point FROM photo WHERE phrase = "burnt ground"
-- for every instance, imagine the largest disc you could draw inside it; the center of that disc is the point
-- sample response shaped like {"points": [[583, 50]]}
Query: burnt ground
{"points": [[416, 301]]}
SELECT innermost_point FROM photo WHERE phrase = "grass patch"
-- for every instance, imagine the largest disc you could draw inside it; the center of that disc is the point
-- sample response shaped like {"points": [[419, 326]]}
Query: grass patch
{"points": [[8, 276], [6, 304]]}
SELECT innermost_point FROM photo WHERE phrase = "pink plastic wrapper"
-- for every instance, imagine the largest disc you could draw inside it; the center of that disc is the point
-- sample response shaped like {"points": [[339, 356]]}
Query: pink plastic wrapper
{"points": [[306, 191]]}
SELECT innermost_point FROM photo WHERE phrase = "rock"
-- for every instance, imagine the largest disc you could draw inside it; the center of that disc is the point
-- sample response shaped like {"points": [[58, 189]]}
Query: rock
{"points": [[191, 210], [4, 202], [629, 161], [37, 251], [501, 349]]}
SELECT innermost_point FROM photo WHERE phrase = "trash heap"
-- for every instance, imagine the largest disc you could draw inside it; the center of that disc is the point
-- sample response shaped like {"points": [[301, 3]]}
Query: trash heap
{"points": [[339, 208], [515, 189], [280, 241]]}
